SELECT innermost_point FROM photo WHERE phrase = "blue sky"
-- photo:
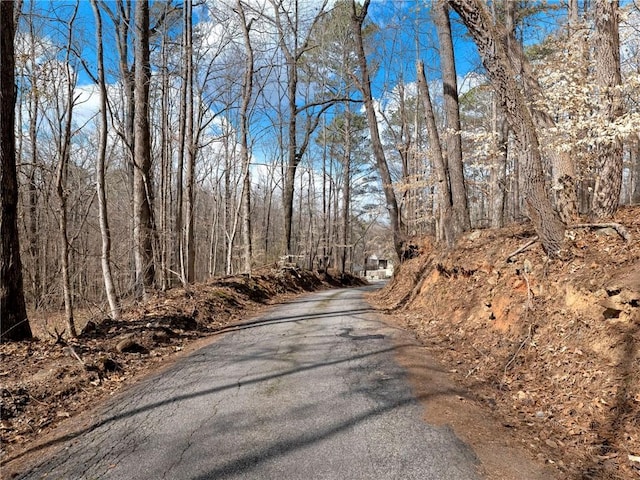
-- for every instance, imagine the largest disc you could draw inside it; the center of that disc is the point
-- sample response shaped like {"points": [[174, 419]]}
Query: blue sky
{"points": [[386, 13], [411, 14], [403, 25]]}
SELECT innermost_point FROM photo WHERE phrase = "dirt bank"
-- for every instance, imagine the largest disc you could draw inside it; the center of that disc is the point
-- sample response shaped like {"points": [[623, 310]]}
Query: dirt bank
{"points": [[550, 346]]}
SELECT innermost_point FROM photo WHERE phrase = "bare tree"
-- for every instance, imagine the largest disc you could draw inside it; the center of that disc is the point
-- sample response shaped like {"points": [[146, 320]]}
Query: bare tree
{"points": [[446, 230], [606, 194], [358, 15], [453, 159], [247, 92], [143, 187], [635, 165], [14, 324], [64, 116], [487, 37], [105, 231], [290, 30], [191, 148]]}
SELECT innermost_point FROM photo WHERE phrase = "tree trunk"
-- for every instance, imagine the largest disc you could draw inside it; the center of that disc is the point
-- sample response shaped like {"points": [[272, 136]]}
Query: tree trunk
{"points": [[546, 221], [290, 173], [189, 240], [498, 169], [122, 21], [143, 187], [635, 168], [453, 128], [64, 241], [609, 153], [445, 229], [364, 84], [105, 232], [563, 176], [32, 194], [166, 169], [247, 92], [229, 232], [178, 233], [14, 324], [346, 189], [292, 55], [64, 156]]}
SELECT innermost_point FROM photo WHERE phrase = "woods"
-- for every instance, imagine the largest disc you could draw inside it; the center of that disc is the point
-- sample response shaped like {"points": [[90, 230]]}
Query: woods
{"points": [[147, 145]]}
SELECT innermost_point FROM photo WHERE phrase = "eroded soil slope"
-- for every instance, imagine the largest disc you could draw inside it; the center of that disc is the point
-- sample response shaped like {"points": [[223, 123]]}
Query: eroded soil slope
{"points": [[550, 346]]}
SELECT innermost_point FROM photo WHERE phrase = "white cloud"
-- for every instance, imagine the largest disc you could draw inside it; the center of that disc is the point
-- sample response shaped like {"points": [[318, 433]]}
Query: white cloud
{"points": [[87, 103]]}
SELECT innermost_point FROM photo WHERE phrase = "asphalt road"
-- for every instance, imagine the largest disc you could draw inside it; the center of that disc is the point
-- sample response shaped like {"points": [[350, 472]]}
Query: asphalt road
{"points": [[309, 390]]}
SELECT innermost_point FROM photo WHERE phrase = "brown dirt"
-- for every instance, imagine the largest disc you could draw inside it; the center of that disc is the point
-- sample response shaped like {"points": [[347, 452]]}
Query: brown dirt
{"points": [[43, 383], [550, 347]]}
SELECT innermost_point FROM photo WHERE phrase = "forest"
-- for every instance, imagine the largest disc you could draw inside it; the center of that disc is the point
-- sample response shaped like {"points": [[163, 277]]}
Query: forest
{"points": [[153, 144]]}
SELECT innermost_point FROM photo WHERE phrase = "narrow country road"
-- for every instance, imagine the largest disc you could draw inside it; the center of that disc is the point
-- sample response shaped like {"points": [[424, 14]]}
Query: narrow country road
{"points": [[309, 390]]}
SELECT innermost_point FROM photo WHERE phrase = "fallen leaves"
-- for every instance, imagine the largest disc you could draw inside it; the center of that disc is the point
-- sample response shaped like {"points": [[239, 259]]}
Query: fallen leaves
{"points": [[573, 384], [43, 384]]}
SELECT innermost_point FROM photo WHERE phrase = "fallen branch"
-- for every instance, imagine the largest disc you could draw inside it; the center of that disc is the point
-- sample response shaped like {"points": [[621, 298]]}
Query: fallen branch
{"points": [[69, 350], [58, 338], [522, 345], [521, 249], [620, 229]]}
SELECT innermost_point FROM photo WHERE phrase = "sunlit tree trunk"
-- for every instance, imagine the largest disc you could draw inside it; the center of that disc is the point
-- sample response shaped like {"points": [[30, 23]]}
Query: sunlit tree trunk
{"points": [[143, 187], [247, 92], [178, 231], [64, 156], [166, 168], [14, 324], [609, 152], [105, 231], [562, 164], [34, 111], [546, 221], [364, 84], [498, 168], [445, 229], [635, 168], [498, 175], [191, 147], [346, 190], [453, 129]]}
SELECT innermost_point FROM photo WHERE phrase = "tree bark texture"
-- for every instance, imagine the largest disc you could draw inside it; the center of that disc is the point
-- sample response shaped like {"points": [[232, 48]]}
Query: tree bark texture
{"points": [[346, 190], [546, 221], [563, 175], [143, 187], [191, 147], [445, 229], [247, 92], [14, 324], [364, 84], [608, 152], [105, 231], [498, 174], [453, 159], [634, 149]]}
